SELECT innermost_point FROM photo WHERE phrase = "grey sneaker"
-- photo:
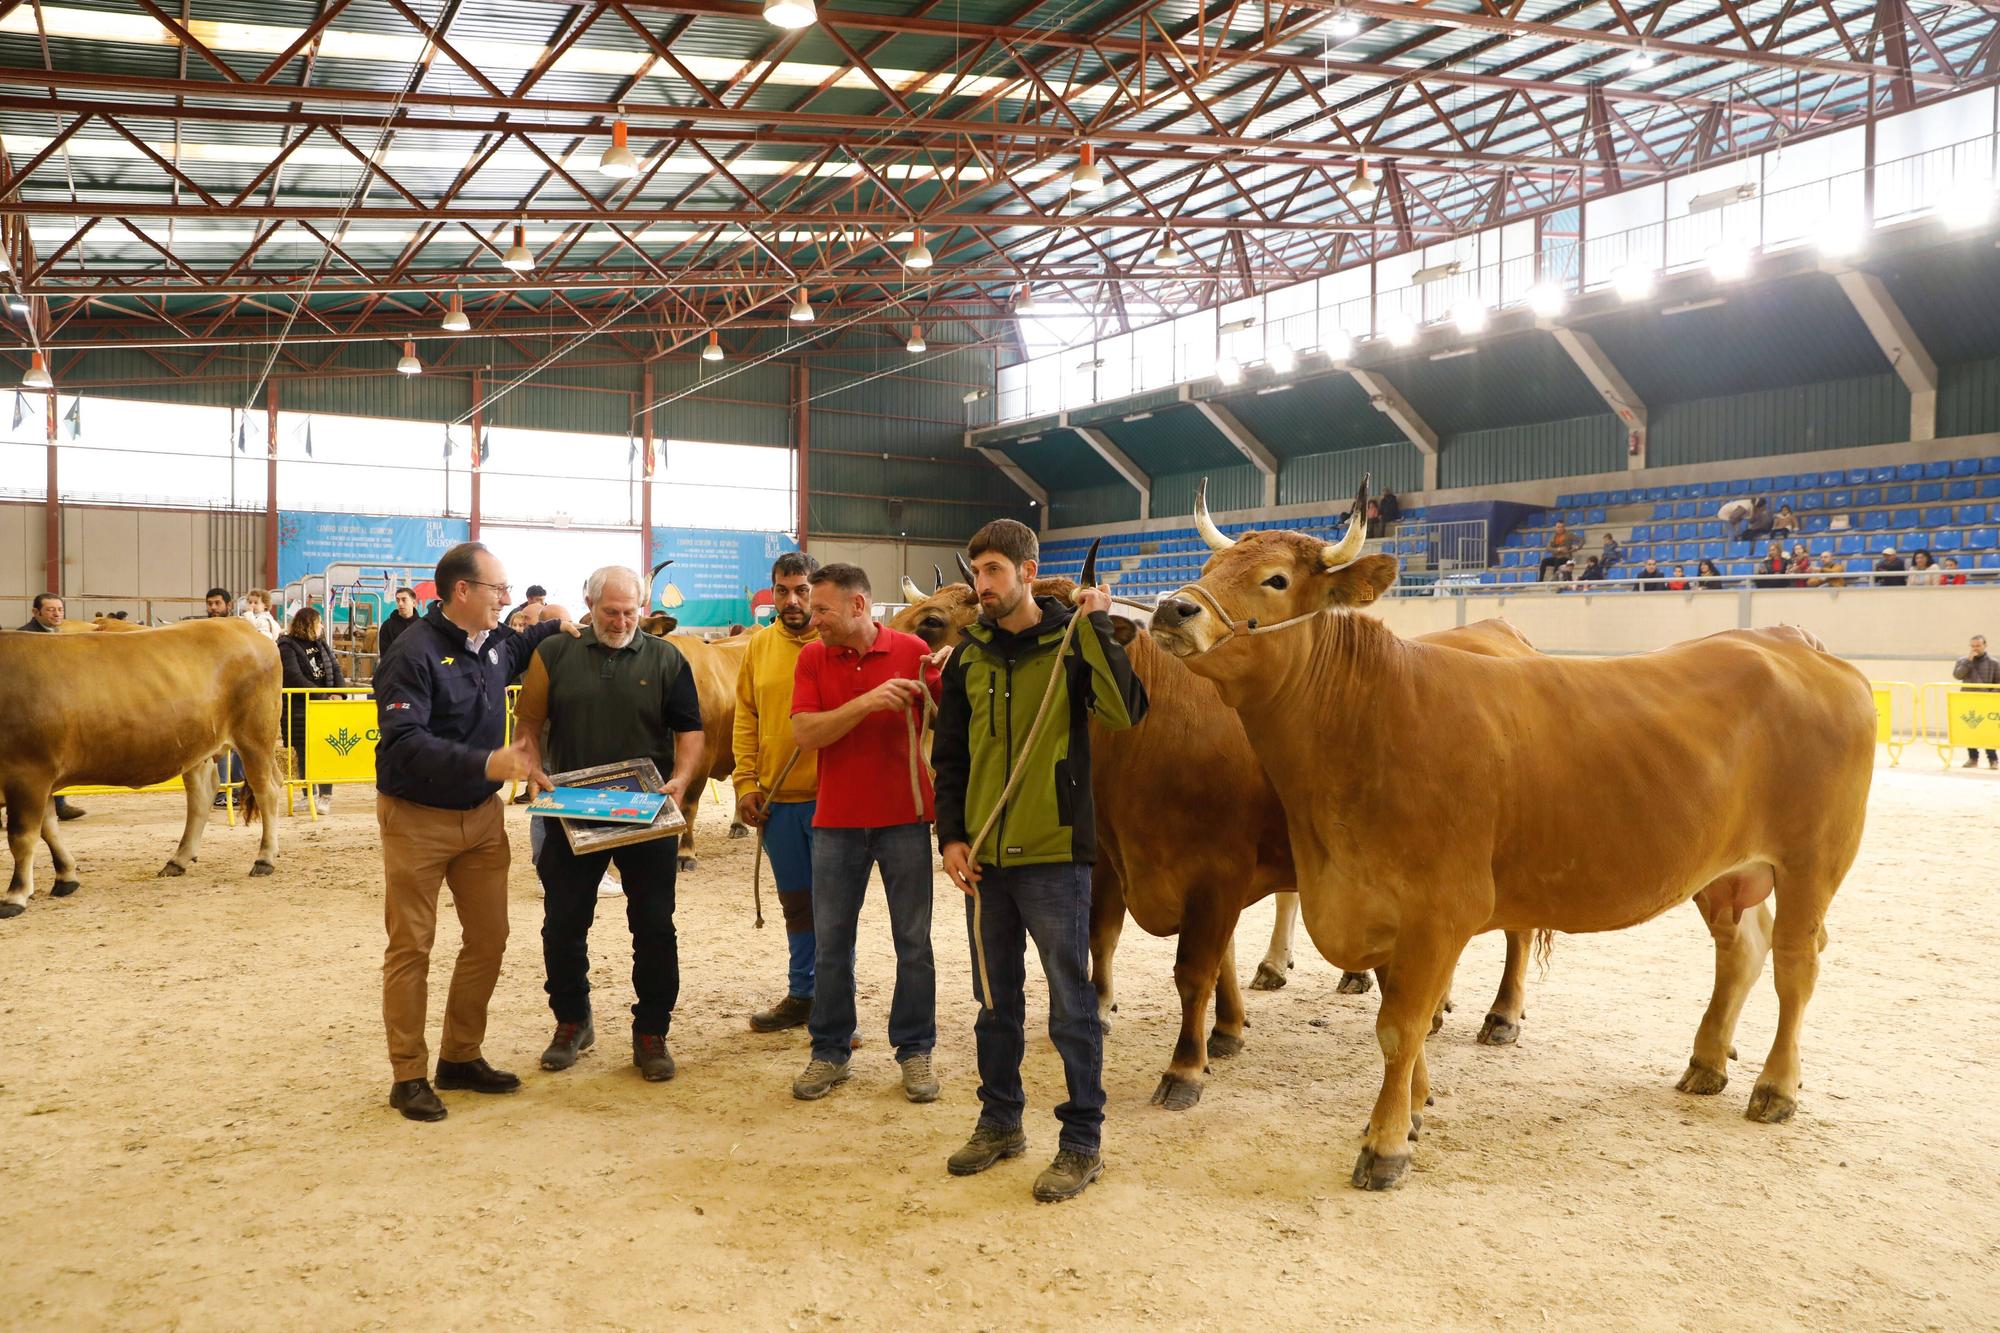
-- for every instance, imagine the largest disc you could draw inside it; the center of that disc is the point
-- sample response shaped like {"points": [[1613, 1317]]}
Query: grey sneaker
{"points": [[919, 1082], [820, 1078], [1068, 1176], [987, 1146]]}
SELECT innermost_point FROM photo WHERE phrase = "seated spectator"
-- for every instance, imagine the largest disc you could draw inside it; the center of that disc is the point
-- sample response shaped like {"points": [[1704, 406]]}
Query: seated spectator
{"points": [[1651, 578], [1679, 582], [1613, 554], [1775, 562], [1802, 562], [1889, 569], [1562, 545], [1784, 525], [1375, 522], [1566, 576], [1707, 576], [309, 664], [1978, 668], [257, 610], [1392, 508], [1829, 573], [1923, 570], [217, 603], [1757, 527], [1949, 574]]}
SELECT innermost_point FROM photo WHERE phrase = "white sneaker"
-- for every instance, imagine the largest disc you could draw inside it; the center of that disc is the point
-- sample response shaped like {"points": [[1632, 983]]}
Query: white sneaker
{"points": [[322, 806], [609, 887]]}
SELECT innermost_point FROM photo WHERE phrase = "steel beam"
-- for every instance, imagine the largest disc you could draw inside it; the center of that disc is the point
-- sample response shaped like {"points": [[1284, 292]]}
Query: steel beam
{"points": [[1905, 352], [1014, 472], [1121, 463], [1387, 399], [1612, 386], [1242, 439]]}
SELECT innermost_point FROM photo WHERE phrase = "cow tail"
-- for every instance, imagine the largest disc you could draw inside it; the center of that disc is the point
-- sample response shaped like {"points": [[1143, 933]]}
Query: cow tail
{"points": [[248, 803], [1544, 947]]}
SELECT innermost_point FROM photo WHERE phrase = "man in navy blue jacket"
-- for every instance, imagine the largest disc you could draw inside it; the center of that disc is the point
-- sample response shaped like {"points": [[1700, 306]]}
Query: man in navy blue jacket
{"points": [[441, 708]]}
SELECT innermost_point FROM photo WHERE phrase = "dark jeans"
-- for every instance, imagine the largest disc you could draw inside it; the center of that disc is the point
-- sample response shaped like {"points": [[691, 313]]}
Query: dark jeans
{"points": [[1549, 562], [1052, 904], [1973, 755], [841, 858], [569, 904]]}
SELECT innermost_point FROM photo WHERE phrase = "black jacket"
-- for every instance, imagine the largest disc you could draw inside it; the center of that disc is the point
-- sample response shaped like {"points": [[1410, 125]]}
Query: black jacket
{"points": [[308, 665], [441, 710], [37, 627], [392, 630]]}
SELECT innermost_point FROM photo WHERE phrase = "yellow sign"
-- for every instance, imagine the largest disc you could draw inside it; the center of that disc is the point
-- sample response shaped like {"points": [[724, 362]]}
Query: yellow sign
{"points": [[1884, 710], [340, 740], [1975, 718]]}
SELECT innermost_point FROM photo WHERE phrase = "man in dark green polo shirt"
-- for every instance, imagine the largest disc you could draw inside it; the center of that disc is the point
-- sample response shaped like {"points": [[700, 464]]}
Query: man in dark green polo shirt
{"points": [[613, 694]]}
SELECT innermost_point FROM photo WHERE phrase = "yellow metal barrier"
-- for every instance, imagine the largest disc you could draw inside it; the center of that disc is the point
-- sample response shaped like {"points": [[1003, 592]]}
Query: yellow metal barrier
{"points": [[1963, 717], [1885, 717]]}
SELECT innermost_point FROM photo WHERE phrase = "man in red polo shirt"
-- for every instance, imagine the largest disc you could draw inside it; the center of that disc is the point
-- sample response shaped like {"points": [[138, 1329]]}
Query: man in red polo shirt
{"points": [[857, 700]]}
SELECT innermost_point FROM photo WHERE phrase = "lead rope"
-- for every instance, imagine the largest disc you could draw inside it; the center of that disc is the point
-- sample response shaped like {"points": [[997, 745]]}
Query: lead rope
{"points": [[757, 866], [1000, 806]]}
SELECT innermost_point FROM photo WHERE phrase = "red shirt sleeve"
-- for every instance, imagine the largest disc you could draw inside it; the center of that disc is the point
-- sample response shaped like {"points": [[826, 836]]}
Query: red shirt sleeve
{"points": [[805, 679]]}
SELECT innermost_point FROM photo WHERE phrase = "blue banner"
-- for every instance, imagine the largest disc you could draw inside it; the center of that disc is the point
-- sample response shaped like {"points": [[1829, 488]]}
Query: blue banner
{"points": [[716, 572], [309, 541]]}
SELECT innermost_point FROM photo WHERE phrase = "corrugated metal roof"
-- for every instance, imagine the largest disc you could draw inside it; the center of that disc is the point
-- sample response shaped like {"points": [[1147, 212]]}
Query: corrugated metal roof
{"points": [[1172, 440], [1060, 460], [1321, 413], [1508, 381]]}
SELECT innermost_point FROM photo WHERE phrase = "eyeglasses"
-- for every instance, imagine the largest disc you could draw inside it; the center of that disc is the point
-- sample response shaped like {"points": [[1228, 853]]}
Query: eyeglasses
{"points": [[505, 590]]}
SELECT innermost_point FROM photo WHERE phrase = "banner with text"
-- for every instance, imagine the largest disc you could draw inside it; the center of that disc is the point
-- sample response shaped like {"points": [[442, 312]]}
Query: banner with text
{"points": [[309, 541], [716, 572]]}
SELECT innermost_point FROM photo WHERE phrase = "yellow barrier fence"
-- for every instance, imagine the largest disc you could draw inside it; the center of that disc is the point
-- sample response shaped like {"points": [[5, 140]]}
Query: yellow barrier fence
{"points": [[1961, 717], [1887, 694]]}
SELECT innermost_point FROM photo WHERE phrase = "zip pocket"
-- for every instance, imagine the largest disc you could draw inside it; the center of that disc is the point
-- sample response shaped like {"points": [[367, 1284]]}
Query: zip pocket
{"points": [[992, 723], [1065, 795]]}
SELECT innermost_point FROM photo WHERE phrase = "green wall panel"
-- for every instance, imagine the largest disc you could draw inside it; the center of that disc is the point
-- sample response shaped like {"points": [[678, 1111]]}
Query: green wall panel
{"points": [[1088, 505], [1238, 487], [1835, 414], [1969, 398], [1528, 453], [1333, 477]]}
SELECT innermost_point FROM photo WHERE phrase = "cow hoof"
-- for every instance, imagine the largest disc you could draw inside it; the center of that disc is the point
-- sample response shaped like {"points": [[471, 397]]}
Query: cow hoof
{"points": [[1267, 978], [1703, 1081], [1768, 1106], [63, 888], [1104, 1021], [1732, 1052], [688, 863], [259, 869], [11, 909], [1176, 1093], [1372, 1172], [1497, 1031], [1354, 983], [171, 870], [1416, 1125], [1222, 1045], [739, 830], [1437, 1018]]}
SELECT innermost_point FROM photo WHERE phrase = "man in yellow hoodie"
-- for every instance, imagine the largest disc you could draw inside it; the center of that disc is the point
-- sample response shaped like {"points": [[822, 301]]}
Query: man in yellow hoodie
{"points": [[763, 746]]}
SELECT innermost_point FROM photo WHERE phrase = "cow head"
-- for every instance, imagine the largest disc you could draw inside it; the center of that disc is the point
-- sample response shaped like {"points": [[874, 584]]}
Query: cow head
{"points": [[1262, 580], [940, 619], [659, 624]]}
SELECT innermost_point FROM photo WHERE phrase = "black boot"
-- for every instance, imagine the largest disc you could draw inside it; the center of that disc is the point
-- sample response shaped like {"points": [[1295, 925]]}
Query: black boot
{"points": [[570, 1041], [475, 1076], [414, 1098]]}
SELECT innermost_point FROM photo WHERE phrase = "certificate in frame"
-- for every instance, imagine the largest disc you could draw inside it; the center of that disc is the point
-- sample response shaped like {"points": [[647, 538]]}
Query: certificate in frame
{"points": [[586, 836]]}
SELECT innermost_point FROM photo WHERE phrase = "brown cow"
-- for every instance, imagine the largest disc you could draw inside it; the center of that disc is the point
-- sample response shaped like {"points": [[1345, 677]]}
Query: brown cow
{"points": [[1189, 766], [1416, 785], [131, 710], [716, 665]]}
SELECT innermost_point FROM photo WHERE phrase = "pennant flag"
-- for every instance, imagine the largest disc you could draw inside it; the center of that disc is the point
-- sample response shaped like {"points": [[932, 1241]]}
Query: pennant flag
{"points": [[447, 442], [486, 444], [73, 419], [242, 432], [20, 408], [309, 437], [632, 449]]}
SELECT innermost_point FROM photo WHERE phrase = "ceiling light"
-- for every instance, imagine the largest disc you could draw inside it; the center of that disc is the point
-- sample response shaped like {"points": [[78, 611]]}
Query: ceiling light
{"points": [[1228, 371], [1470, 316], [1729, 260], [17, 305], [1026, 308], [455, 320], [802, 311], [1714, 199], [518, 256], [1340, 347], [1169, 255], [918, 256], [1130, 417], [712, 352], [1400, 330], [916, 343], [1634, 282], [973, 395], [1689, 307], [38, 374], [789, 13], [1967, 206], [618, 162], [1086, 178], [1282, 358], [1274, 388], [409, 365], [1239, 325], [1344, 23], [1643, 58], [1840, 238], [1547, 300], [1453, 353], [1436, 273], [1362, 189]]}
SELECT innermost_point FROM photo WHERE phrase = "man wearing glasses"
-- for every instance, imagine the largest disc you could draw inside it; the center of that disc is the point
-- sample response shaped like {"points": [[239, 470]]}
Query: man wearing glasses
{"points": [[441, 708]]}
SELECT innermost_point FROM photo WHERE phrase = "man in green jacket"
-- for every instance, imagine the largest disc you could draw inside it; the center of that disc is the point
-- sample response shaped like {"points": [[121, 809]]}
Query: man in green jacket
{"points": [[1032, 872]]}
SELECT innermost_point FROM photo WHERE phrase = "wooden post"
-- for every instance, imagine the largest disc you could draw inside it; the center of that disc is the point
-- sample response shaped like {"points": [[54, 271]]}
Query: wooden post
{"points": [[644, 408], [52, 570], [270, 487], [802, 440], [478, 434]]}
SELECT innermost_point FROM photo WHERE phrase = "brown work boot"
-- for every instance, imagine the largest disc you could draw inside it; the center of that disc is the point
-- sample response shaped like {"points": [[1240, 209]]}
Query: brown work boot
{"points": [[570, 1041], [790, 1012], [650, 1053], [1068, 1176]]}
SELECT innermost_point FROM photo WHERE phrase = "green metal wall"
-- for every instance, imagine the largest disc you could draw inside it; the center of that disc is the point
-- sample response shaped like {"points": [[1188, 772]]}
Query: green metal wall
{"points": [[1333, 477], [1090, 505], [1527, 453], [1837, 414], [1969, 398], [1237, 487]]}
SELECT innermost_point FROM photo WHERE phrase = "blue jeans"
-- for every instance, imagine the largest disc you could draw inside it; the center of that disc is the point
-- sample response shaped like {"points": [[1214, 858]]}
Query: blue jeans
{"points": [[788, 842], [840, 864], [1052, 904]]}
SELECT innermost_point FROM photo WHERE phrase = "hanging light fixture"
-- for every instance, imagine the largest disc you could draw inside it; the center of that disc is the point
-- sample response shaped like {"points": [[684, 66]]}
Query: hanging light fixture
{"points": [[618, 162], [1547, 299], [1344, 23], [455, 320], [1362, 189], [802, 311], [409, 365], [38, 374], [918, 256], [1169, 255], [789, 13], [1027, 307], [712, 352], [1470, 316], [1643, 58], [518, 256], [916, 343], [1087, 177]]}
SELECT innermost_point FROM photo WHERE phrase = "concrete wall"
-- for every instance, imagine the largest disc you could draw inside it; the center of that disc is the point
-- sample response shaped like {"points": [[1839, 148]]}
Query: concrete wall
{"points": [[888, 560], [114, 558]]}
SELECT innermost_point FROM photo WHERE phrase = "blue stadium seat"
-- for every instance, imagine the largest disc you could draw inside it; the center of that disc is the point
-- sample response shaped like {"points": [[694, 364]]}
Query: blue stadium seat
{"points": [[1697, 490], [1595, 515], [1687, 551], [1739, 568], [1618, 498], [1739, 487], [1866, 497], [1910, 472], [1597, 497], [1982, 539], [1816, 522], [1833, 478], [1714, 550], [1857, 476], [1989, 487], [1965, 467], [1848, 544], [1929, 492], [1677, 492], [1895, 495], [1810, 501], [1839, 499], [1936, 471], [1936, 516], [1875, 520], [1970, 515], [1713, 528], [1961, 490], [1860, 564], [1902, 520], [1664, 509], [1947, 540], [1685, 531]]}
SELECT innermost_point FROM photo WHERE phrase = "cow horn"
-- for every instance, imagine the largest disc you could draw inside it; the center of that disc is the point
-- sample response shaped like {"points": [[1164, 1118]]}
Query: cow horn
{"points": [[1089, 579], [966, 570], [911, 592], [1206, 525], [662, 565], [1347, 550], [937, 578]]}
